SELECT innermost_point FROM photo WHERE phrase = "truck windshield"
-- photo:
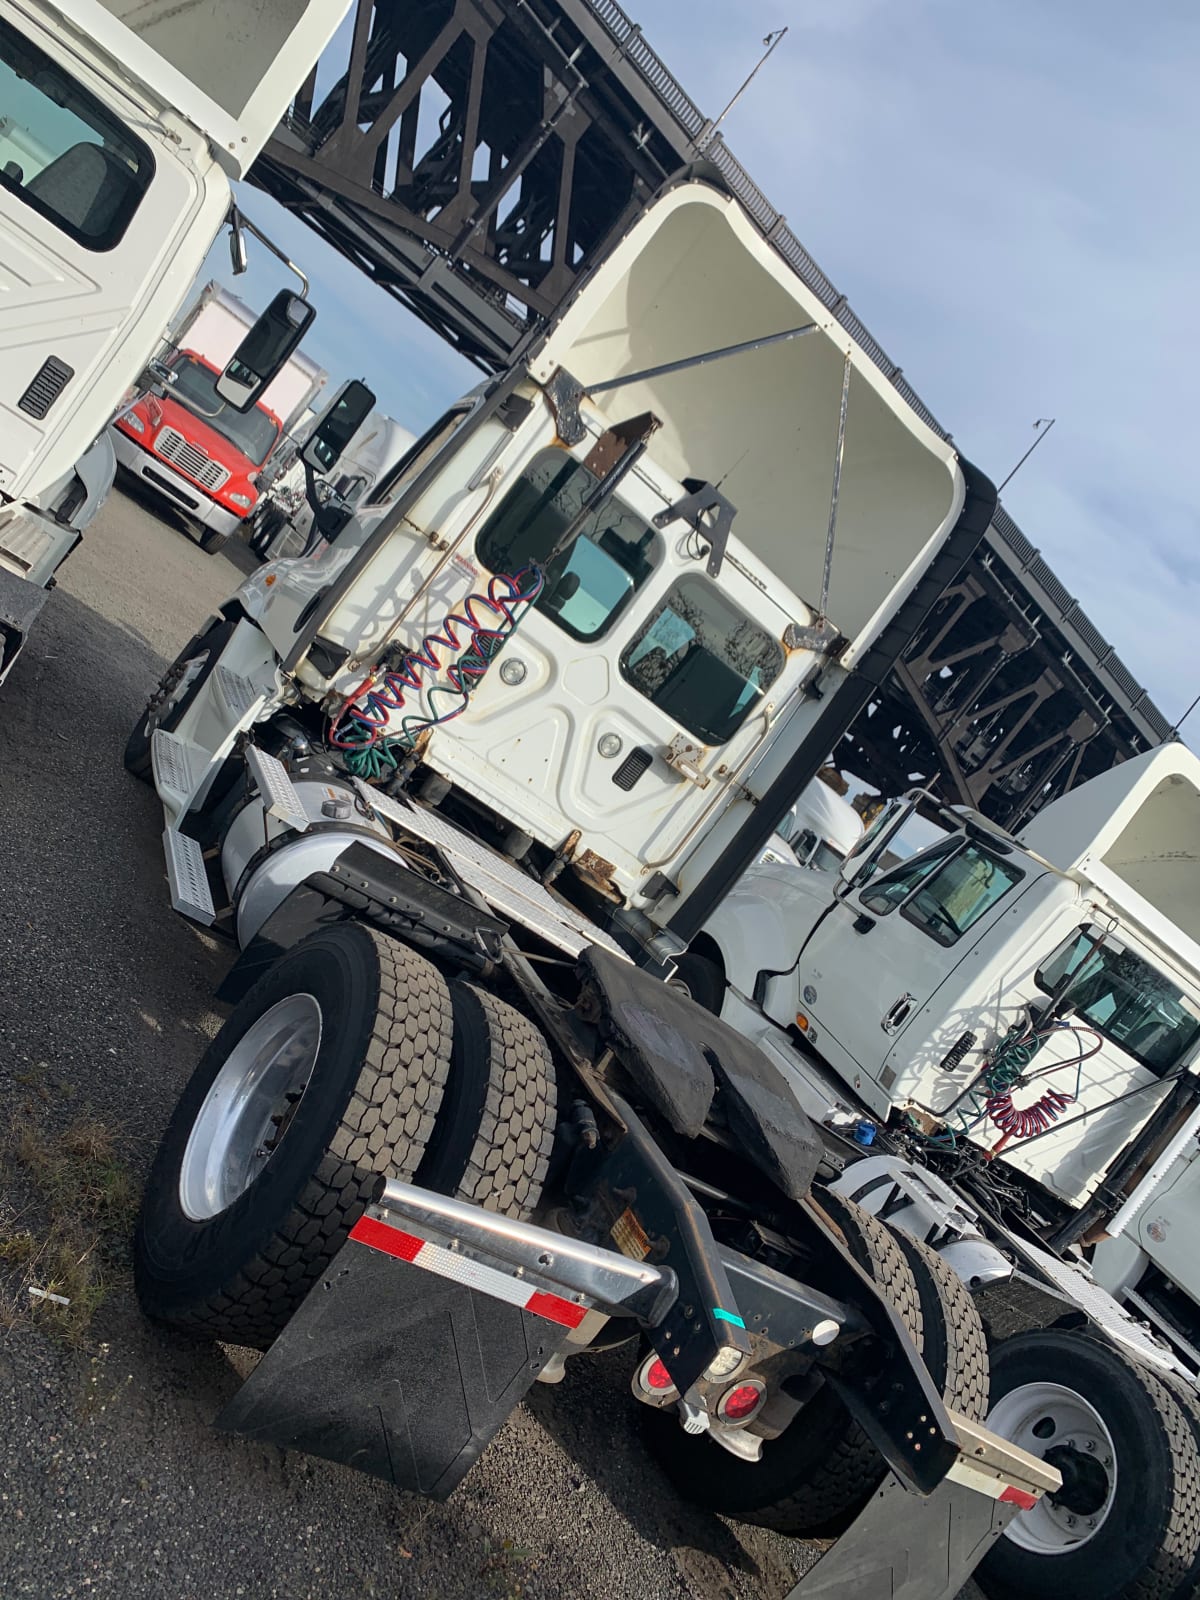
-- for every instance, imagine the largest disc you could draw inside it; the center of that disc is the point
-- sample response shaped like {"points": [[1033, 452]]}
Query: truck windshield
{"points": [[944, 891], [62, 152], [1125, 999], [254, 433], [702, 660], [589, 584]]}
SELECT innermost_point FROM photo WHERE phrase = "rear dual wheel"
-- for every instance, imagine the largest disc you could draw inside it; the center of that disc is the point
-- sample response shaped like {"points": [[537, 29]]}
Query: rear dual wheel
{"points": [[1126, 1523], [350, 1061], [814, 1478]]}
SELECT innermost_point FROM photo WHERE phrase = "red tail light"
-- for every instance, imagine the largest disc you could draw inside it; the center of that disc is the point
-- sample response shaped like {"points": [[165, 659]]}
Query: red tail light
{"points": [[654, 1379], [739, 1404]]}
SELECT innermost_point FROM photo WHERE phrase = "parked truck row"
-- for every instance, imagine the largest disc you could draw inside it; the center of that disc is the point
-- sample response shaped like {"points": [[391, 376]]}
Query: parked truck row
{"points": [[465, 790], [466, 775]]}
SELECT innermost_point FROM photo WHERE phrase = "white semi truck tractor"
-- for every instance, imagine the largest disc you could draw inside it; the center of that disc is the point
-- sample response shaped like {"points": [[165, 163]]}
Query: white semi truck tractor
{"points": [[121, 126], [455, 789], [1004, 1036]]}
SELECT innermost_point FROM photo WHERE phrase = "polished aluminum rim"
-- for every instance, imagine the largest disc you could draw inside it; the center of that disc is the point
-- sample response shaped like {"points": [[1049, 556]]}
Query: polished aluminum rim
{"points": [[250, 1106]]}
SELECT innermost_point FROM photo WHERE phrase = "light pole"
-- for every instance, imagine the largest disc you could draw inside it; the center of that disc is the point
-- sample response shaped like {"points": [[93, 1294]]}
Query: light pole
{"points": [[707, 134], [1048, 423], [1174, 734]]}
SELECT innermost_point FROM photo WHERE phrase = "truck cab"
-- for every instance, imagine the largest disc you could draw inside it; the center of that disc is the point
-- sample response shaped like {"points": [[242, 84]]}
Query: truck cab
{"points": [[199, 453], [664, 642], [907, 976]]}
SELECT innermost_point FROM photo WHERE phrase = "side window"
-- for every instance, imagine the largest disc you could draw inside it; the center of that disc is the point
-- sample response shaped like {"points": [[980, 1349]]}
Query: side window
{"points": [[702, 660], [1124, 998], [945, 892], [589, 584], [62, 152], [417, 456]]}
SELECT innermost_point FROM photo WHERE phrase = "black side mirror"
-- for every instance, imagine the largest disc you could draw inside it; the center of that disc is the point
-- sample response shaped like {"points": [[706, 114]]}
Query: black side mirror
{"points": [[344, 416], [265, 351]]}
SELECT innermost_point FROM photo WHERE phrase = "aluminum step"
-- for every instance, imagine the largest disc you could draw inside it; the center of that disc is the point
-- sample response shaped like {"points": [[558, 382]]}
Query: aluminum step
{"points": [[179, 769], [190, 894], [239, 693], [277, 789]]}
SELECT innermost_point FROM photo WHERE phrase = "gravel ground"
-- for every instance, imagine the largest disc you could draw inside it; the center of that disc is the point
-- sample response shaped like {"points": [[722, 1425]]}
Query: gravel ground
{"points": [[111, 1479]]}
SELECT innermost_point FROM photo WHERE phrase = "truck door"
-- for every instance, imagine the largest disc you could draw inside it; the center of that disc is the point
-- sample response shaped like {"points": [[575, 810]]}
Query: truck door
{"points": [[882, 950], [635, 678]]}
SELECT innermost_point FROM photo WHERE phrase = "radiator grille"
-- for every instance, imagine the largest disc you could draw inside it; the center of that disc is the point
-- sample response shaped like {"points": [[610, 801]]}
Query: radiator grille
{"points": [[48, 383], [189, 458]]}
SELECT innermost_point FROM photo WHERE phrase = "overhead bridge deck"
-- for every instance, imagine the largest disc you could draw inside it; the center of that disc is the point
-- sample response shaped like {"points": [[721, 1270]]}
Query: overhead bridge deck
{"points": [[474, 157]]}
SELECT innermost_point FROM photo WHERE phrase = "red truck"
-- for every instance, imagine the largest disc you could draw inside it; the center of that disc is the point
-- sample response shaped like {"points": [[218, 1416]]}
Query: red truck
{"points": [[185, 446]]}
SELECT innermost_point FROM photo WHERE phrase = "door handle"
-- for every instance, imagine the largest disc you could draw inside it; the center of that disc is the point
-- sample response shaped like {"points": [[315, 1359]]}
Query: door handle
{"points": [[895, 1018]]}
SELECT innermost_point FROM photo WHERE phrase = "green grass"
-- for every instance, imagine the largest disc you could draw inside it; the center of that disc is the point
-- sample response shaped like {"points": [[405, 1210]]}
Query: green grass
{"points": [[70, 1235]]}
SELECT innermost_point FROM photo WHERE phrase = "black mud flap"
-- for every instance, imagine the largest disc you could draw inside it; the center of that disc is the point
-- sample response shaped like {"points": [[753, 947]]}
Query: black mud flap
{"points": [[903, 1547], [393, 1371]]}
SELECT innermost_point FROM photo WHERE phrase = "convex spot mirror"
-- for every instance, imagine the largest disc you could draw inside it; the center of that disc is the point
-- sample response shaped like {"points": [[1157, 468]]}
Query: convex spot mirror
{"points": [[265, 351], [344, 416]]}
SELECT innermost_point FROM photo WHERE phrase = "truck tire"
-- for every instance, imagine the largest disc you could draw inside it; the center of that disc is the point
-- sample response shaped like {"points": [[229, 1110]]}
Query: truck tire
{"points": [[955, 1345], [177, 688], [703, 980], [343, 1049], [211, 541], [1188, 1401], [813, 1478], [270, 524], [1127, 1523], [496, 1147]]}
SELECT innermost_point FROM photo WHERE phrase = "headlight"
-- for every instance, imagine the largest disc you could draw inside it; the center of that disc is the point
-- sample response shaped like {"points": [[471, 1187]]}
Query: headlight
{"points": [[769, 857], [242, 500], [132, 420]]}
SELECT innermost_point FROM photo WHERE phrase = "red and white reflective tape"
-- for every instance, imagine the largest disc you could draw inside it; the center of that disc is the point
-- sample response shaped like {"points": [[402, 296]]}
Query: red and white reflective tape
{"points": [[450, 1264], [973, 1476]]}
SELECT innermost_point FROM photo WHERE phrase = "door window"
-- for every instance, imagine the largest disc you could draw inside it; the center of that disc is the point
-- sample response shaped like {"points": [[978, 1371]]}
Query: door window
{"points": [[62, 152], [945, 891], [1125, 999], [702, 660], [590, 583], [418, 456]]}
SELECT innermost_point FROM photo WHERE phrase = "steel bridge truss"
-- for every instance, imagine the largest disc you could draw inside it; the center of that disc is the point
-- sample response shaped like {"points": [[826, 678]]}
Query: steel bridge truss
{"points": [[472, 157]]}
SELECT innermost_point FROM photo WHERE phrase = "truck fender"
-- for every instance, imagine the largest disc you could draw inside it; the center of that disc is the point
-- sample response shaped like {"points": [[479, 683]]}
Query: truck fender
{"points": [[364, 883], [765, 921], [919, 1203]]}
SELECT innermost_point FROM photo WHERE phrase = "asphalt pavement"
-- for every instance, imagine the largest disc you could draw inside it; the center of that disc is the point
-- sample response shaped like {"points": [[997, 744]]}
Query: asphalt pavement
{"points": [[112, 1480]]}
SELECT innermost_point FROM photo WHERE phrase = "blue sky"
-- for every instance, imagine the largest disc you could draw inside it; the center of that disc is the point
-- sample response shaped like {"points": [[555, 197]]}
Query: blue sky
{"points": [[1007, 194]]}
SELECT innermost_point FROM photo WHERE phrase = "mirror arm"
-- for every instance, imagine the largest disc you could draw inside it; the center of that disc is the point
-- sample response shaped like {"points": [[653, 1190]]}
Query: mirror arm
{"points": [[239, 219]]}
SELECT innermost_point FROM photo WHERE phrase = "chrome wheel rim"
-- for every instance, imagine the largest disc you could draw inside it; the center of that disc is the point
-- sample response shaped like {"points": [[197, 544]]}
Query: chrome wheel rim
{"points": [[249, 1108], [1044, 1418]]}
